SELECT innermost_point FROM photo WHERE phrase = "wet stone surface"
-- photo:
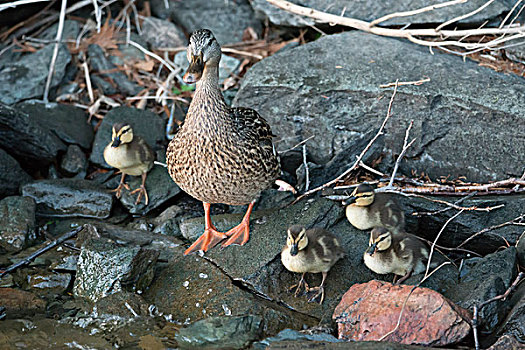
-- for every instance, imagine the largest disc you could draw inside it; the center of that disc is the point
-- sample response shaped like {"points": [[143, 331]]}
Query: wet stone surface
{"points": [[17, 223], [11, 175], [161, 33], [74, 162], [69, 197]]}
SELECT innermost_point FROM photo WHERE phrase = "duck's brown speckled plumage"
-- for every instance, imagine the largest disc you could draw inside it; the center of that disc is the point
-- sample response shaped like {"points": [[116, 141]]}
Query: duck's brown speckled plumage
{"points": [[221, 154]]}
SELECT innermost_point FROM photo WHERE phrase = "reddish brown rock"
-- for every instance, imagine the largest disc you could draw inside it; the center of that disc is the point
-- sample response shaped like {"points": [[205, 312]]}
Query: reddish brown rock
{"points": [[370, 310], [17, 301]]}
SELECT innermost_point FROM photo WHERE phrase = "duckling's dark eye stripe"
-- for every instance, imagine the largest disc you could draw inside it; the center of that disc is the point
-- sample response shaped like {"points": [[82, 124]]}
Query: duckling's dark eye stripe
{"points": [[125, 131]]}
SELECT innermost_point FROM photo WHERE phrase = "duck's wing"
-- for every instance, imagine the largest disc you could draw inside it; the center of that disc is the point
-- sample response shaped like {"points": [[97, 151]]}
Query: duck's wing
{"points": [[250, 124]]}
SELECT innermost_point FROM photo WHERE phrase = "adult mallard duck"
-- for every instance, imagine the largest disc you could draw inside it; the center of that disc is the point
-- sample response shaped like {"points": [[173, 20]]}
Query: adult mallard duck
{"points": [[220, 154], [131, 155]]}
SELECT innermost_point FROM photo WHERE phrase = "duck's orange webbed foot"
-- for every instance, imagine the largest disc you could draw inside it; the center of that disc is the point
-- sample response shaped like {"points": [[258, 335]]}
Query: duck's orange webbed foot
{"points": [[240, 234], [122, 184], [209, 239]]}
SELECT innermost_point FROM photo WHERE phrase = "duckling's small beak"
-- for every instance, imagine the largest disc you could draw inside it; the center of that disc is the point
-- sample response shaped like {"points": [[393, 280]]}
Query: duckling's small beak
{"points": [[349, 200], [194, 72], [372, 249], [116, 142], [294, 249]]}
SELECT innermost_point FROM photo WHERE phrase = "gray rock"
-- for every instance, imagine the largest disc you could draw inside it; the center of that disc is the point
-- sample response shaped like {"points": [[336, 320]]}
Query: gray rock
{"points": [[115, 305], [467, 224], [227, 65], [48, 281], [482, 279], [353, 345], [222, 332], [27, 141], [69, 32], [25, 78], [191, 288], [333, 93], [17, 223], [520, 249], [105, 268], [99, 63], [69, 123], [367, 11], [145, 123], [293, 335], [162, 33], [516, 53], [74, 162], [129, 53], [160, 187], [69, 197], [514, 323], [230, 18], [11, 175]]}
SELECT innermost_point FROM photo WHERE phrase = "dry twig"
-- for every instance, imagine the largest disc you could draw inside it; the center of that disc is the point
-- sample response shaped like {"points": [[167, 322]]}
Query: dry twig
{"points": [[359, 158], [515, 221], [401, 83], [406, 145]]}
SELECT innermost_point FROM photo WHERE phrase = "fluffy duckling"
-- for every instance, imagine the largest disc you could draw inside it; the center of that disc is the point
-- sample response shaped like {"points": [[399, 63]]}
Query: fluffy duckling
{"points": [[131, 155], [367, 209], [401, 254], [315, 251]]}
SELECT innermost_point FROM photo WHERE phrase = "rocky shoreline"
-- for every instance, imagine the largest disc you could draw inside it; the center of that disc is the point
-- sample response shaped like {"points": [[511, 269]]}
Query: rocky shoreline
{"points": [[123, 281]]}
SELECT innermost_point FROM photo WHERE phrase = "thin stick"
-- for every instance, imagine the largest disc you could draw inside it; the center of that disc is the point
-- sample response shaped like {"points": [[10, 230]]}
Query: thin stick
{"points": [[18, 3], [429, 213], [307, 172], [508, 14], [510, 222], [55, 51], [406, 145], [155, 56], [410, 34], [88, 82], [480, 306], [41, 251], [241, 53], [370, 169], [466, 15], [401, 83], [437, 237], [415, 12], [360, 157], [297, 145], [98, 14]]}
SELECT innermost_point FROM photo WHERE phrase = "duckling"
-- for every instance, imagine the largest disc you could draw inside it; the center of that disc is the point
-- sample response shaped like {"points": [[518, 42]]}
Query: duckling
{"points": [[131, 155], [220, 154], [315, 250], [367, 209], [401, 254]]}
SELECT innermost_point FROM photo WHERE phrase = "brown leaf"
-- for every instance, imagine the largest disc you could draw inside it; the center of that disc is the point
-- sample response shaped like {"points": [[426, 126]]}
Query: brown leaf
{"points": [[147, 65]]}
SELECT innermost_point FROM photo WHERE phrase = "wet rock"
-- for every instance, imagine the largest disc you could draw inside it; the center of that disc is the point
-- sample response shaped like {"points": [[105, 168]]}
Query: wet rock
{"points": [[360, 345], [160, 187], [74, 162], [123, 304], [161, 33], [49, 281], [19, 302], [366, 11], [67, 263], [223, 332], [17, 223], [336, 98], [230, 18], [128, 54], [468, 223], [227, 66], [370, 310], [42, 333], [31, 144], [25, 78], [506, 342], [69, 123], [69, 31], [516, 53], [290, 335], [190, 288], [11, 175], [514, 323], [69, 197], [146, 124], [102, 65], [482, 279], [167, 223], [105, 268]]}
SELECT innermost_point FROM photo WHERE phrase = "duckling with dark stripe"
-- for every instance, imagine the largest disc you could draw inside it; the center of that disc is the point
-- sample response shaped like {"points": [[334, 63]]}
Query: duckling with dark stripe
{"points": [[316, 251], [131, 155], [367, 209]]}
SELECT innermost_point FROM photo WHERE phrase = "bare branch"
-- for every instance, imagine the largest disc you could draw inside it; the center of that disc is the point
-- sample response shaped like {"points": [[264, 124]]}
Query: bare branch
{"points": [[17, 3], [466, 15], [401, 83], [514, 221], [406, 145], [55, 51]]}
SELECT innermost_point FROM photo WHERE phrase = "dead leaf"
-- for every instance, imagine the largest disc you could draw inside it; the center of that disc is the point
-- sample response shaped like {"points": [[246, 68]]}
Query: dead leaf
{"points": [[145, 65]]}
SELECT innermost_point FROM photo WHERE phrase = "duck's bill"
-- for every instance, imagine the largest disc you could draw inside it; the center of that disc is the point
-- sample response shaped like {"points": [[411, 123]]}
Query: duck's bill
{"points": [[349, 200], [372, 249], [194, 72]]}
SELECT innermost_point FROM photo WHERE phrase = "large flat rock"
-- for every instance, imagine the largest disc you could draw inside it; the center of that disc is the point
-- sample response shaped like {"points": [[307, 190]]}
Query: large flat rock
{"points": [[332, 93]]}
